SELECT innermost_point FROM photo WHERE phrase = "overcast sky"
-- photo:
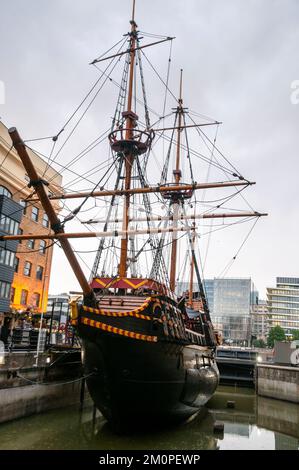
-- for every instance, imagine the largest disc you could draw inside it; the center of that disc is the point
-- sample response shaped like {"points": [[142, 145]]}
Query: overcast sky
{"points": [[239, 59]]}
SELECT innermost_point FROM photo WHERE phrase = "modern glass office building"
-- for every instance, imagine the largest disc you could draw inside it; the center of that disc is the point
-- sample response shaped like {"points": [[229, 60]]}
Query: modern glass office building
{"points": [[229, 301], [283, 304]]}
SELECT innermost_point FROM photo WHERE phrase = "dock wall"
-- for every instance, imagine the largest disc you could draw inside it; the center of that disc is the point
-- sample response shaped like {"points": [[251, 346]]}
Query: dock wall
{"points": [[280, 382], [28, 388], [18, 402]]}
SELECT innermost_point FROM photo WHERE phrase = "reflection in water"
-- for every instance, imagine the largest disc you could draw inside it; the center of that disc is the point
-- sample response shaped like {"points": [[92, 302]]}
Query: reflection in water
{"points": [[254, 423]]}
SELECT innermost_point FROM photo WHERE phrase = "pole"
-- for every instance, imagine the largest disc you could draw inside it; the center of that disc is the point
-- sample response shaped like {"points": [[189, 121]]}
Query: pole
{"points": [[51, 323], [114, 233], [211, 215], [152, 189], [191, 271], [129, 157], [175, 200], [39, 338]]}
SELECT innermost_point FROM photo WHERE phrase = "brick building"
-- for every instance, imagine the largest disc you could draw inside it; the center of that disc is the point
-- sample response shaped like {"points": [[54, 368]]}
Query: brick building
{"points": [[33, 258]]}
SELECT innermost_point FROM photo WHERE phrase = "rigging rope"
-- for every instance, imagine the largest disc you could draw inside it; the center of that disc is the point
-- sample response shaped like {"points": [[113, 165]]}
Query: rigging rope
{"points": [[228, 266]]}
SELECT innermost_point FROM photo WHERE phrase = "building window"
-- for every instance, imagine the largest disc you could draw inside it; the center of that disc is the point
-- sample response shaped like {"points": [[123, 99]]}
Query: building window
{"points": [[27, 268], [9, 225], [7, 257], [5, 192], [24, 296], [4, 290], [20, 232], [45, 221], [17, 264], [24, 205], [30, 244], [34, 214], [39, 272], [12, 295], [36, 299], [42, 247]]}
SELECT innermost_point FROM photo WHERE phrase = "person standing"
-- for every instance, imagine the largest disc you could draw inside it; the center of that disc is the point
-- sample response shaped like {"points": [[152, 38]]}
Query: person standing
{"points": [[5, 332]]}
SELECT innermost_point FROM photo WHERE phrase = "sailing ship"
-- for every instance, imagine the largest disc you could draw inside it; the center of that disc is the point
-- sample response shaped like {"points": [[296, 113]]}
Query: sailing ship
{"points": [[148, 353]]}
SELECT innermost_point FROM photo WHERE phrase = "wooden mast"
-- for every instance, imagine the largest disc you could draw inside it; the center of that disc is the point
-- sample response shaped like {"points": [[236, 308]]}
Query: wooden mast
{"points": [[177, 176], [191, 270], [129, 156], [38, 185]]}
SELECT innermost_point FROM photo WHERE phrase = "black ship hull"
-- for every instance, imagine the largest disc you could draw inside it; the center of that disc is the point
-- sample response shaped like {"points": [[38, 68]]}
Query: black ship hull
{"points": [[140, 383]]}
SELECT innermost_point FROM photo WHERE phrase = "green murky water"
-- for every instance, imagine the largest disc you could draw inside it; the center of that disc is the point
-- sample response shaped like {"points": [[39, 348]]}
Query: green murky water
{"points": [[254, 423]]}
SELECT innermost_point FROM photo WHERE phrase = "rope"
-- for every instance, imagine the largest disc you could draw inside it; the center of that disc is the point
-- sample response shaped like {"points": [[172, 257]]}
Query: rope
{"points": [[230, 263], [35, 382], [159, 76], [8, 152]]}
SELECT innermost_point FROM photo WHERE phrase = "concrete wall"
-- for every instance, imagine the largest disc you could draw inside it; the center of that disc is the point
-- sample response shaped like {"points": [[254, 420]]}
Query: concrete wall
{"points": [[18, 402], [280, 382], [22, 394]]}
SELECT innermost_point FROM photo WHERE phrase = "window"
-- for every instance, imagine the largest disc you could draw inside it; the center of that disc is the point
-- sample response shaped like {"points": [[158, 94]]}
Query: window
{"points": [[17, 264], [7, 257], [42, 247], [39, 272], [45, 221], [5, 192], [34, 214], [36, 299], [20, 232], [12, 295], [24, 205], [4, 290], [27, 268], [9, 225], [30, 244], [24, 296]]}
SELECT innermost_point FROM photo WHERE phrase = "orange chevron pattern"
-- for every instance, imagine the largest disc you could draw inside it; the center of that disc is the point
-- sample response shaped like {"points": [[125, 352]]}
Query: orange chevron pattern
{"points": [[118, 331], [109, 283]]}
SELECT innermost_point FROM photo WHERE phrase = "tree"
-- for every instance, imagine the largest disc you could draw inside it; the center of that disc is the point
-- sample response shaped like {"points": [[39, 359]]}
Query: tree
{"points": [[276, 334], [295, 334], [259, 343]]}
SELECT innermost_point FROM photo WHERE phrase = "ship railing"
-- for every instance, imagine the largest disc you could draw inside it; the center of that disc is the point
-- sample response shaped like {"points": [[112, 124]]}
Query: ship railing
{"points": [[195, 337], [141, 140]]}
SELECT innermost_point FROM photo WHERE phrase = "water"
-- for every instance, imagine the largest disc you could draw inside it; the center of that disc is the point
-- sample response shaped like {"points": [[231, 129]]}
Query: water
{"points": [[254, 423]]}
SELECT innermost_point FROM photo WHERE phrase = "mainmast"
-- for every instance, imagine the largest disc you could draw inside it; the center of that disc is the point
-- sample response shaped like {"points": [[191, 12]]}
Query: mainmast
{"points": [[177, 177], [131, 119]]}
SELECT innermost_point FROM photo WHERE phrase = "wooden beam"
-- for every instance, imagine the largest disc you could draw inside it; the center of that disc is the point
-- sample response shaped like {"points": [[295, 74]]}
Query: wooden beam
{"points": [[159, 218], [120, 233], [38, 184], [96, 61], [188, 126], [113, 233], [150, 189]]}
